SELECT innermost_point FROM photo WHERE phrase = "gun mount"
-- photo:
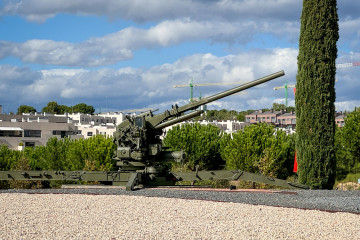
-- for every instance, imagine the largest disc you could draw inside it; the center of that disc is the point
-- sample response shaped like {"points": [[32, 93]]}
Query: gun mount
{"points": [[139, 154]]}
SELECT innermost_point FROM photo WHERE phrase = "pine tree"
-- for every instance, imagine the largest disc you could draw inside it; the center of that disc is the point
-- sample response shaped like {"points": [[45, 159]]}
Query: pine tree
{"points": [[315, 93]]}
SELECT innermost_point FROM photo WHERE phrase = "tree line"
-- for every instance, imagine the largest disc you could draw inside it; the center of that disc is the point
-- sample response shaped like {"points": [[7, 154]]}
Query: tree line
{"points": [[54, 108]]}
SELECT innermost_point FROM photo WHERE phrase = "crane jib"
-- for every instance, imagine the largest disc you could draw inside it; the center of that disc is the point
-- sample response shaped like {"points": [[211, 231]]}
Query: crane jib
{"points": [[194, 105]]}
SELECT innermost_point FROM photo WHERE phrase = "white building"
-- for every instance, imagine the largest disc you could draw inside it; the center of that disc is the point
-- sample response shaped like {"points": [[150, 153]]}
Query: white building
{"points": [[228, 126]]}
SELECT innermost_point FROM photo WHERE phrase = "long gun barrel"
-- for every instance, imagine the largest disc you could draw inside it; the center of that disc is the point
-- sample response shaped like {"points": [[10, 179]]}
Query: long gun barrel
{"points": [[177, 111]]}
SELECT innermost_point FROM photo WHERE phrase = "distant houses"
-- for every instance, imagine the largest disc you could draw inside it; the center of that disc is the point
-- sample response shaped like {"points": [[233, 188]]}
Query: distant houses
{"points": [[30, 130], [283, 119], [277, 118]]}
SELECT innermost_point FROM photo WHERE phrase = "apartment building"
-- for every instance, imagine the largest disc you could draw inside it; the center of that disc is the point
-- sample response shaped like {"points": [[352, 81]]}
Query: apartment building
{"points": [[34, 130], [228, 126], [263, 117], [37, 128], [91, 125], [283, 119], [340, 119], [88, 131], [286, 119], [98, 119]]}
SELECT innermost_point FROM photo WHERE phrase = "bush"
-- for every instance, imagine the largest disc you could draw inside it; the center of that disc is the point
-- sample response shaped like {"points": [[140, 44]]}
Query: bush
{"points": [[200, 142], [245, 148], [259, 148]]}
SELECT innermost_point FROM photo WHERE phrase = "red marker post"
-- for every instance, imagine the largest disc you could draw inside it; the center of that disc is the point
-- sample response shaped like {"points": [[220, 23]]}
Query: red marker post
{"points": [[295, 163]]}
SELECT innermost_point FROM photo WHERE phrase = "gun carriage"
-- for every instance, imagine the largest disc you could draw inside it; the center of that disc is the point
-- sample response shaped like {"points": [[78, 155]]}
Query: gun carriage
{"points": [[140, 154]]}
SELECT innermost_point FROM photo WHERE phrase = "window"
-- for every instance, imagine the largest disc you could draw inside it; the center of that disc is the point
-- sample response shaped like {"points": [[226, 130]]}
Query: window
{"points": [[32, 133], [10, 133], [90, 134], [62, 134], [30, 144]]}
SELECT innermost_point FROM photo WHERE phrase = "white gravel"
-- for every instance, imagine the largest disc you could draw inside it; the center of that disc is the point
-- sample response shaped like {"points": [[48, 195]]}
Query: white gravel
{"points": [[58, 216]]}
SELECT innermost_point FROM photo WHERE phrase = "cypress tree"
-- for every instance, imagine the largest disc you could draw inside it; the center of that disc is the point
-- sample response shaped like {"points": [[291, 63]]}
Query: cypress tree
{"points": [[315, 94]]}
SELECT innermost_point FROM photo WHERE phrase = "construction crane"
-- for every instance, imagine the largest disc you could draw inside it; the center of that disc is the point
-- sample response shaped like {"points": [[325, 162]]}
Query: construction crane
{"points": [[192, 85], [286, 86]]}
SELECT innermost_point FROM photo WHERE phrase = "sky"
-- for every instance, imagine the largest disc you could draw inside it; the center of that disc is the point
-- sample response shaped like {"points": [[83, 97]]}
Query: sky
{"points": [[121, 55]]}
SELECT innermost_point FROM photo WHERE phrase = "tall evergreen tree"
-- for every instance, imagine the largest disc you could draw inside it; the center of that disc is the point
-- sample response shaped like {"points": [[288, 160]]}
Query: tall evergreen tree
{"points": [[315, 93]]}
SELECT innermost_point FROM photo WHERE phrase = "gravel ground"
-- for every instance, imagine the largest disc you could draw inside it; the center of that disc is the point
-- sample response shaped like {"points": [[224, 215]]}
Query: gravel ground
{"points": [[177, 214], [328, 200]]}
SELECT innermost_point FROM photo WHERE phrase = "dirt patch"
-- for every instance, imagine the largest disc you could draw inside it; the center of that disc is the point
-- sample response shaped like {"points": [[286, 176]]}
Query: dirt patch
{"points": [[348, 186]]}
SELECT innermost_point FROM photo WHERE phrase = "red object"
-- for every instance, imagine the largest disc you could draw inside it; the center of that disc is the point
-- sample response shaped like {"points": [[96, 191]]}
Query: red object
{"points": [[295, 163], [294, 90]]}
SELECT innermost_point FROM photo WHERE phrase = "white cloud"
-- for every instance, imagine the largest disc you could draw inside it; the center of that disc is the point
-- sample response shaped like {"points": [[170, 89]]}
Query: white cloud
{"points": [[349, 34], [119, 46], [155, 10], [347, 105], [12, 82], [16, 75], [260, 103], [66, 54], [128, 88], [136, 88], [176, 22]]}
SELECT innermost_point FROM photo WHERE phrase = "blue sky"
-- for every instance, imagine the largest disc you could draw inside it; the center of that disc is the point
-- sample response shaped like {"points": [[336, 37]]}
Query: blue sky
{"points": [[119, 55]]}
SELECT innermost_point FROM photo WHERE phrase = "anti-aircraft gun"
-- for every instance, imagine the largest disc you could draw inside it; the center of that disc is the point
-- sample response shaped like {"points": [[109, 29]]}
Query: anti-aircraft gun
{"points": [[139, 154], [138, 137], [139, 146]]}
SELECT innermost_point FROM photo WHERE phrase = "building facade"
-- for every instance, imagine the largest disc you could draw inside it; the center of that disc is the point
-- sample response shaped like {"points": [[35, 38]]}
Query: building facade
{"points": [[263, 117], [30, 130], [34, 130], [282, 119], [340, 119]]}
